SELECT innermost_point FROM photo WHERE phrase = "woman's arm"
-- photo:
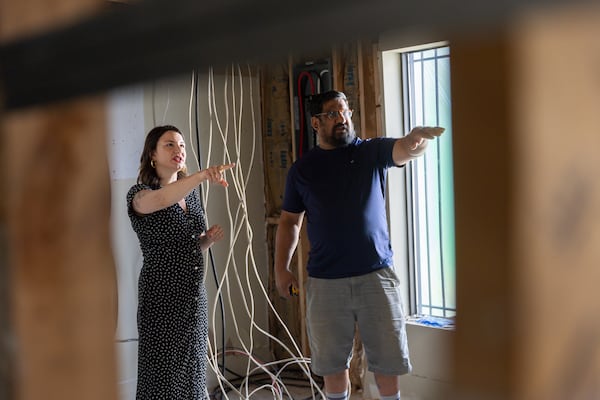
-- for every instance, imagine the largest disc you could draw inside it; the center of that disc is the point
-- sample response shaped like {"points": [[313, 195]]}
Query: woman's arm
{"points": [[149, 201]]}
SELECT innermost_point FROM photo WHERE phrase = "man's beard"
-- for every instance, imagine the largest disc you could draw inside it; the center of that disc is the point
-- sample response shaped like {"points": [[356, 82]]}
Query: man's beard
{"points": [[342, 138]]}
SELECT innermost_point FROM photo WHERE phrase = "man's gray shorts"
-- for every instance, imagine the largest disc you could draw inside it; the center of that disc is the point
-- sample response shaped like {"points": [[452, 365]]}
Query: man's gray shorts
{"points": [[374, 302]]}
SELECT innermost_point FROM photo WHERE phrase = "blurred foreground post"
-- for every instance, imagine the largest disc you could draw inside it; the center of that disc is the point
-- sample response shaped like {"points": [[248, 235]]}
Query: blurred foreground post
{"points": [[526, 115], [57, 271]]}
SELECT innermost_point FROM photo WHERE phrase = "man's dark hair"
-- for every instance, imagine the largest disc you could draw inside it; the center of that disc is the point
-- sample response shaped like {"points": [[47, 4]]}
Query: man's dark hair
{"points": [[317, 101]]}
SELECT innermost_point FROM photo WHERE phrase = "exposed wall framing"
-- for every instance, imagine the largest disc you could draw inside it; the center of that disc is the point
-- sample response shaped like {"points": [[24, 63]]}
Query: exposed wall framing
{"points": [[354, 73]]}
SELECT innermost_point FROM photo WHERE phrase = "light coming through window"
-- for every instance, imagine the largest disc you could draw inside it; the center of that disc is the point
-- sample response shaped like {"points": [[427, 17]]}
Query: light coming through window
{"points": [[430, 199]]}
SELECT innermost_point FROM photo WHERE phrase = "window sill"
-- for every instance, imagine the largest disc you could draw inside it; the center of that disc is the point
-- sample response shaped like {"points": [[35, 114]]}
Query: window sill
{"points": [[431, 322]]}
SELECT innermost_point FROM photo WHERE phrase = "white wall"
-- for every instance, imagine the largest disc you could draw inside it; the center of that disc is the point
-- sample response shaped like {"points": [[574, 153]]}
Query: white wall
{"points": [[126, 139], [430, 353], [133, 111]]}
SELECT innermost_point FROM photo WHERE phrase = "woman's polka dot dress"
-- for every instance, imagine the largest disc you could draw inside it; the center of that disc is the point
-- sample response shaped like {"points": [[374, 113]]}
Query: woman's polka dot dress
{"points": [[172, 304]]}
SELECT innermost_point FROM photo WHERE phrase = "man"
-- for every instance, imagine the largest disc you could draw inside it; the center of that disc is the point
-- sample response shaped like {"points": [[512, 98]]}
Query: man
{"points": [[340, 186]]}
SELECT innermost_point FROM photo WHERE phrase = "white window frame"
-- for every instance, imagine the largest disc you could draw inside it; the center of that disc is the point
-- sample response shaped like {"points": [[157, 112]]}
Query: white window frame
{"points": [[396, 122]]}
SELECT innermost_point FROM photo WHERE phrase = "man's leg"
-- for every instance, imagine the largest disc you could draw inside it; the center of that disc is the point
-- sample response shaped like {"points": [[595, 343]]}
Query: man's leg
{"points": [[330, 324], [336, 385], [388, 386], [383, 331]]}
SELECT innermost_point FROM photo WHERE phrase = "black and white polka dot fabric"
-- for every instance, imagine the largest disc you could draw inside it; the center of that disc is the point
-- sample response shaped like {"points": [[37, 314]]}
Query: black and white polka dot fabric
{"points": [[172, 304]]}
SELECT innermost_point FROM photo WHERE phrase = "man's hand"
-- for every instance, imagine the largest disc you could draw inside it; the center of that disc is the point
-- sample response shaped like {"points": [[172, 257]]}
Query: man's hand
{"points": [[417, 139], [286, 282]]}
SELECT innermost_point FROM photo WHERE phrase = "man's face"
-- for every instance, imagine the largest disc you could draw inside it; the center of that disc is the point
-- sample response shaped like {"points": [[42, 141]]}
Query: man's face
{"points": [[334, 125]]}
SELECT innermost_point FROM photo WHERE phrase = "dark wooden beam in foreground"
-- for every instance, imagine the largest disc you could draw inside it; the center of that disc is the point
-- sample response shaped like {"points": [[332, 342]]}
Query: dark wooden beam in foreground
{"points": [[153, 39]]}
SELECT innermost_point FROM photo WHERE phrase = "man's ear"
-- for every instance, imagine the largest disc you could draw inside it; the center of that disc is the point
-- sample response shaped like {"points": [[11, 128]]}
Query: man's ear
{"points": [[314, 121]]}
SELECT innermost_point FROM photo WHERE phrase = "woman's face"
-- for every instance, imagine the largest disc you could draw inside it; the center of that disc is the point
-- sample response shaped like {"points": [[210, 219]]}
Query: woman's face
{"points": [[170, 152]]}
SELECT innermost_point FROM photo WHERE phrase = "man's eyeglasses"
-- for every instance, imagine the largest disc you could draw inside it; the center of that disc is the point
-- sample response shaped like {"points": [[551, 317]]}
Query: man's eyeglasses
{"points": [[347, 114]]}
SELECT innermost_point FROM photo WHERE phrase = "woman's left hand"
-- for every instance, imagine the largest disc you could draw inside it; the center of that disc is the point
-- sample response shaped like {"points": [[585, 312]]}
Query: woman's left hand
{"points": [[212, 235]]}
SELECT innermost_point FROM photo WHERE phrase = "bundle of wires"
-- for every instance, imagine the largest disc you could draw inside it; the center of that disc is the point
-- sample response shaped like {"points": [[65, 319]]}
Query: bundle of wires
{"points": [[241, 278]]}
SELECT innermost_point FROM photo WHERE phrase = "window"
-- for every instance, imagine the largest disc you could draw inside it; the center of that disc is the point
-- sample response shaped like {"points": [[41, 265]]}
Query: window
{"points": [[423, 98]]}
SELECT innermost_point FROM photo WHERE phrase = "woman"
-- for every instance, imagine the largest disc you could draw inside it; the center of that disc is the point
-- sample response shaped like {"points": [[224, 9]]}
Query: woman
{"points": [[166, 214]]}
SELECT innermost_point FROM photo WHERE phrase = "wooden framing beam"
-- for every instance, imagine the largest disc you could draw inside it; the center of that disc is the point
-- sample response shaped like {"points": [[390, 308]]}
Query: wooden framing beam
{"points": [[62, 278]]}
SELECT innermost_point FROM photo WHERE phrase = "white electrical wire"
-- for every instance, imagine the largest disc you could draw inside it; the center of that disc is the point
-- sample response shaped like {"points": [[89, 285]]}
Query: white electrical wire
{"points": [[190, 113], [240, 227]]}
